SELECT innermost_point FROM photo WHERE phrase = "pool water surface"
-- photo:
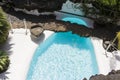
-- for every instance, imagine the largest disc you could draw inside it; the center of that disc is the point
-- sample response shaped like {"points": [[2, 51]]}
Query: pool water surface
{"points": [[63, 56]]}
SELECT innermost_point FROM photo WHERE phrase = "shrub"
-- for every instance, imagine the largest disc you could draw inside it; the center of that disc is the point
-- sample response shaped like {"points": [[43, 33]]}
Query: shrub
{"points": [[4, 27], [4, 61], [4, 31], [108, 2]]}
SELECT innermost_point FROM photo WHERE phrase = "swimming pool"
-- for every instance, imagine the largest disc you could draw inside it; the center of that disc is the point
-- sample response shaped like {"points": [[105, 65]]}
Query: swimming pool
{"points": [[63, 56]]}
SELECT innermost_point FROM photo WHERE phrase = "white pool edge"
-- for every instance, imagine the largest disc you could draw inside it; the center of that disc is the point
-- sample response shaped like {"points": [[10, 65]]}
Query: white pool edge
{"points": [[22, 44], [21, 51], [105, 63], [102, 60]]}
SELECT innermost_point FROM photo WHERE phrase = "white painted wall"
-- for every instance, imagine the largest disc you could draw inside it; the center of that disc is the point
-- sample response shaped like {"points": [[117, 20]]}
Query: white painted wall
{"points": [[69, 7]]}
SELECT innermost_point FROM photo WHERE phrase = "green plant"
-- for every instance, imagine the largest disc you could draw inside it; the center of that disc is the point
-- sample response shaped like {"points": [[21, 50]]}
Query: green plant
{"points": [[108, 2], [102, 11], [118, 38], [4, 27], [4, 61]]}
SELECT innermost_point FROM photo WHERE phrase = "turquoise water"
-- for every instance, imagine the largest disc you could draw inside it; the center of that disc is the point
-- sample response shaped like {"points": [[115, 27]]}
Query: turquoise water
{"points": [[75, 20], [63, 56]]}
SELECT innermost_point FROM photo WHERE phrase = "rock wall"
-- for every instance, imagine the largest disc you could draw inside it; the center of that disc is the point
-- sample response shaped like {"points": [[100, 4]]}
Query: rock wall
{"points": [[41, 5], [48, 22], [113, 75]]}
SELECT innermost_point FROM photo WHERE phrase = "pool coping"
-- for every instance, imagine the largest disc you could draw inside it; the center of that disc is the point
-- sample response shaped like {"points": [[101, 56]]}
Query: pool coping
{"points": [[20, 63], [105, 63], [22, 48]]}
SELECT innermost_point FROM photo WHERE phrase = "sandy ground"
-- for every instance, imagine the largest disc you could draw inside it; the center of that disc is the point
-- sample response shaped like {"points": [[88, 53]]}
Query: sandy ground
{"points": [[21, 49]]}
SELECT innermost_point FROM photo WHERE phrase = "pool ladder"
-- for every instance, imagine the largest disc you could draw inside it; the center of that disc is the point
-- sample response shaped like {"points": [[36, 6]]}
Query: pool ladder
{"points": [[24, 22]]}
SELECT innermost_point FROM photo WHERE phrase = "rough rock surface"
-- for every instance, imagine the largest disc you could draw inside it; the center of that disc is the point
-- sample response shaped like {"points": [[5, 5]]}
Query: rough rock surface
{"points": [[36, 30], [41, 5], [76, 1], [113, 75], [49, 22]]}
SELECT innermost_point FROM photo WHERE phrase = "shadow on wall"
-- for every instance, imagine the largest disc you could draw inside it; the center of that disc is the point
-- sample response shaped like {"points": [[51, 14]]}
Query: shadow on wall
{"points": [[114, 60], [3, 76], [117, 55], [39, 39]]}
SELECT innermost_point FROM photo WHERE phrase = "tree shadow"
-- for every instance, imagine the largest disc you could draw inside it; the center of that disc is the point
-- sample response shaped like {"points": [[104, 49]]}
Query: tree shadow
{"points": [[7, 46], [112, 63], [3, 76], [117, 55]]}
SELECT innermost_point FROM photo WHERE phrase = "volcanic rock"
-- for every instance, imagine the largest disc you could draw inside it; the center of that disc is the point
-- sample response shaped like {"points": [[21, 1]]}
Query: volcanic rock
{"points": [[36, 30]]}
